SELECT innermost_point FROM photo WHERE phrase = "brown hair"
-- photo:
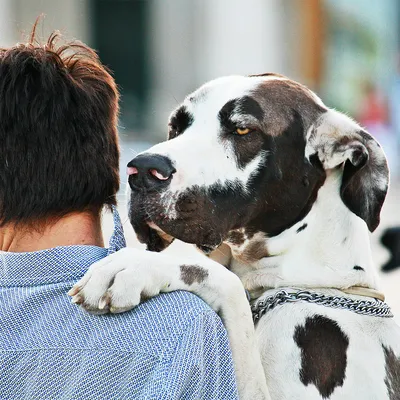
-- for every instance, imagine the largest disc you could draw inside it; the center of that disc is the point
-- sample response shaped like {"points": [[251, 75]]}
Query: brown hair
{"points": [[58, 131]]}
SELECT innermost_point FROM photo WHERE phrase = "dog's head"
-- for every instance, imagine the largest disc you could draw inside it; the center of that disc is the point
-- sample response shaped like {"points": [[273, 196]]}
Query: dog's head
{"points": [[247, 155]]}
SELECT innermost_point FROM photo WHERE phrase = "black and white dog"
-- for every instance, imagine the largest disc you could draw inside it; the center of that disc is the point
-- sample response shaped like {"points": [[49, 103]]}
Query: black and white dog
{"points": [[279, 189]]}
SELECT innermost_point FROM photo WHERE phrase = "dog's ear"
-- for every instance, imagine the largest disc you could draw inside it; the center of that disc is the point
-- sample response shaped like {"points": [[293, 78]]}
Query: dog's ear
{"points": [[340, 143]]}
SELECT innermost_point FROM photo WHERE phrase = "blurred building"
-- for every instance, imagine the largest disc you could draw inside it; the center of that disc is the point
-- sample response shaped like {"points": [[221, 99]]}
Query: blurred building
{"points": [[160, 50]]}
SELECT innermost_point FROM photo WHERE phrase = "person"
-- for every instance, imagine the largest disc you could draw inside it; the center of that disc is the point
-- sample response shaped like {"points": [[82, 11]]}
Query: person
{"points": [[59, 167]]}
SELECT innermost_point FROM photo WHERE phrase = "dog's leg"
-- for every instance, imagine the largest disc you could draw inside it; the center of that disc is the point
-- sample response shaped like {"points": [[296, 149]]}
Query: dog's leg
{"points": [[118, 282]]}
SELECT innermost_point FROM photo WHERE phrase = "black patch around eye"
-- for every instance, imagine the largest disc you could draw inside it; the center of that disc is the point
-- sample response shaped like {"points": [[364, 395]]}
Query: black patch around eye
{"points": [[247, 146], [248, 106], [226, 113], [245, 106], [179, 122]]}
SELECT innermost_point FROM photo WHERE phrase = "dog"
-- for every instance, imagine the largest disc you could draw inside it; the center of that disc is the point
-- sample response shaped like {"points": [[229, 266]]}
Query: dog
{"points": [[279, 191], [391, 240]]}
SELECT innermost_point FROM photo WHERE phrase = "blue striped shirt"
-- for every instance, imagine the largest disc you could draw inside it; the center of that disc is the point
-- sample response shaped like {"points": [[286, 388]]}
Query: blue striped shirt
{"points": [[170, 347]]}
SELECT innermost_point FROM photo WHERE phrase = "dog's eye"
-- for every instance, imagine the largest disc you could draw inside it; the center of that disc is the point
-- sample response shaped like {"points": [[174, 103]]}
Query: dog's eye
{"points": [[243, 131]]}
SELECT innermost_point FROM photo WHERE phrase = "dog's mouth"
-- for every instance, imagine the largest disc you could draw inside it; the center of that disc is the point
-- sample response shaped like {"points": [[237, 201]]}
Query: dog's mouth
{"points": [[157, 221], [204, 238], [165, 236], [168, 239]]}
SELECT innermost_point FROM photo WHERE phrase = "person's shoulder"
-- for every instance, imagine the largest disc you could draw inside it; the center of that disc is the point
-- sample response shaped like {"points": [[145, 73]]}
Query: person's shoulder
{"points": [[153, 326], [176, 308]]}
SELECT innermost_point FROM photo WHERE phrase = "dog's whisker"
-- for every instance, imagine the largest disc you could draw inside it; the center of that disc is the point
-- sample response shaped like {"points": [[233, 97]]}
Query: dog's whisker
{"points": [[135, 152], [125, 221]]}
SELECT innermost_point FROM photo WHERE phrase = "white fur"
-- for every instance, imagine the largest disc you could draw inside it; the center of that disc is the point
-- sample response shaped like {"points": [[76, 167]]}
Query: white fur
{"points": [[365, 374], [317, 257]]}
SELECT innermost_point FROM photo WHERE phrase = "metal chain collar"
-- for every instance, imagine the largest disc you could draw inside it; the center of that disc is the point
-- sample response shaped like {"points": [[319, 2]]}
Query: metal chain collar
{"points": [[375, 308]]}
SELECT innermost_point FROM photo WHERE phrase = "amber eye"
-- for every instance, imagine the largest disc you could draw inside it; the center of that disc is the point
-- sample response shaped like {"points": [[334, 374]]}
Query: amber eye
{"points": [[242, 131]]}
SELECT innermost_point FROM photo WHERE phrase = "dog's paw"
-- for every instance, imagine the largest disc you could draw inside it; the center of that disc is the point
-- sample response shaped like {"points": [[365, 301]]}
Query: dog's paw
{"points": [[115, 284]]}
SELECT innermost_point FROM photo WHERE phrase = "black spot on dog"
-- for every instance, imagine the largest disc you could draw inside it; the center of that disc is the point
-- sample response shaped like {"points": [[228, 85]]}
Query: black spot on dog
{"points": [[236, 238], [358, 268], [254, 251], [323, 354], [247, 146], [244, 106], [344, 240], [392, 379], [225, 115], [283, 198], [249, 106], [187, 203], [179, 122], [301, 228], [193, 273]]}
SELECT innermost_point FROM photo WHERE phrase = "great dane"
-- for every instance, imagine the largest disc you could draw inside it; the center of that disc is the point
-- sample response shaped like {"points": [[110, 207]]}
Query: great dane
{"points": [[279, 191]]}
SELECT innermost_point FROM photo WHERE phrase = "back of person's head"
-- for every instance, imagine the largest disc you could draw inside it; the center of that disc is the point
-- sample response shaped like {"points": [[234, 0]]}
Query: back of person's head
{"points": [[58, 132]]}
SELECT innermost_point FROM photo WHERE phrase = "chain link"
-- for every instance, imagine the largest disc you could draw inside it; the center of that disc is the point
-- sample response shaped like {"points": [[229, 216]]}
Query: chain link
{"points": [[373, 308]]}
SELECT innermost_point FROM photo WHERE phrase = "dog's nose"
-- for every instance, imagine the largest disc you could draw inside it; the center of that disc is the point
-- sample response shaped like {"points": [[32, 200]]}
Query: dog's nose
{"points": [[149, 171]]}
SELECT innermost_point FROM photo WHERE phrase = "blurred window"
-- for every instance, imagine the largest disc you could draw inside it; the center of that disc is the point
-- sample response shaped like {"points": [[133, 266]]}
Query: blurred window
{"points": [[119, 32]]}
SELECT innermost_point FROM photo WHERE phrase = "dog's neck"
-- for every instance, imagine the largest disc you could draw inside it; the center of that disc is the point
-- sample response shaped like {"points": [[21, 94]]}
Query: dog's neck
{"points": [[329, 248]]}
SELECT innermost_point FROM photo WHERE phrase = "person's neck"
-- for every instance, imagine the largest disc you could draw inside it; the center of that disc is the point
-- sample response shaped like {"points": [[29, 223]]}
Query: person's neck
{"points": [[74, 229]]}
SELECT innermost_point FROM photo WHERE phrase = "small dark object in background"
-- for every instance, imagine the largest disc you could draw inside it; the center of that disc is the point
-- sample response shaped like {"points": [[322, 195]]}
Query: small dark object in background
{"points": [[391, 240]]}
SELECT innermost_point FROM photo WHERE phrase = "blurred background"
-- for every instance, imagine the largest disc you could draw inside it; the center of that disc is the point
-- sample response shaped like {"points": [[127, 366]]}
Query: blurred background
{"points": [[161, 50]]}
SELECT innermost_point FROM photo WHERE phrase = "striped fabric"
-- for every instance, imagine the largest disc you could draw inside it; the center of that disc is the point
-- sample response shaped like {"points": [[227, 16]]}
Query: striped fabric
{"points": [[170, 347]]}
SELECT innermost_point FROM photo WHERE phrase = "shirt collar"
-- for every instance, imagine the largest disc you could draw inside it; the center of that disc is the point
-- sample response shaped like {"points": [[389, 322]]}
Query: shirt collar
{"points": [[58, 264]]}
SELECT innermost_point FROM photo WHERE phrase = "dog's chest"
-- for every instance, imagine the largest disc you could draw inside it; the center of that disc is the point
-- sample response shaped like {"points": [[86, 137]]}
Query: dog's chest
{"points": [[312, 352]]}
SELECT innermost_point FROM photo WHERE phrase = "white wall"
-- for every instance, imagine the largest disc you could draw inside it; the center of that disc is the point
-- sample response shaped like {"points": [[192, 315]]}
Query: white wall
{"points": [[172, 56], [240, 37], [18, 16], [198, 40], [7, 20]]}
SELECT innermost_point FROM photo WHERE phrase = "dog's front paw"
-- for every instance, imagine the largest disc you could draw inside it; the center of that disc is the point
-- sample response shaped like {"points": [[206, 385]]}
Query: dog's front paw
{"points": [[115, 284]]}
